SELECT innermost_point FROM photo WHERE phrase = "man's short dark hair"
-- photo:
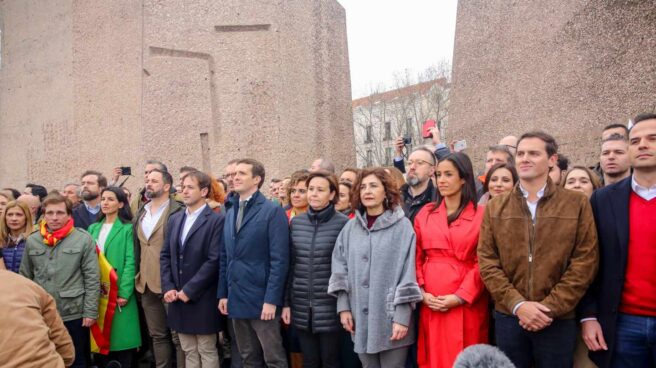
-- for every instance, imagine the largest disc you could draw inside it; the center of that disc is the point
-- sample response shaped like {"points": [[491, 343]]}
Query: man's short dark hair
{"points": [[102, 180], [56, 198], [427, 150], [187, 169], [503, 148], [257, 169], [615, 137], [643, 117], [166, 176], [204, 181], [563, 162], [37, 190], [617, 126], [160, 164], [549, 141], [276, 180], [233, 161]]}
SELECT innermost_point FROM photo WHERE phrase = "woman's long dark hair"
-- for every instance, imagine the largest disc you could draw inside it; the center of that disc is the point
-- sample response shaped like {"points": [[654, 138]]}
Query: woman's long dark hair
{"points": [[468, 192], [124, 214]]}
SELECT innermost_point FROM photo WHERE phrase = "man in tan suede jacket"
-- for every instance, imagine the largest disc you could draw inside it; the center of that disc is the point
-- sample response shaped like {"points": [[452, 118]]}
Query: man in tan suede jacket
{"points": [[32, 332], [538, 254]]}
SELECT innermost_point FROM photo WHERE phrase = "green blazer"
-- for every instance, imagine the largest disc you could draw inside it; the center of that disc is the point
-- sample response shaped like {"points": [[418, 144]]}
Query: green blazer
{"points": [[119, 251]]}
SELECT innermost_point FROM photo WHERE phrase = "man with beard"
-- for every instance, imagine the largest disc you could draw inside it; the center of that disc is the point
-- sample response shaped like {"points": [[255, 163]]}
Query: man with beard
{"points": [[614, 159], [149, 233], [86, 214], [419, 189]]}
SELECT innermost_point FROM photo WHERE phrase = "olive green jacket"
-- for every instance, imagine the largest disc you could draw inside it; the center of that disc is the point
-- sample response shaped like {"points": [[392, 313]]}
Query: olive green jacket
{"points": [[68, 271]]}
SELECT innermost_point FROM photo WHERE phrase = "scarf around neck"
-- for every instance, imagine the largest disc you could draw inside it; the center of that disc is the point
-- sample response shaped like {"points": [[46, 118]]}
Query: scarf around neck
{"points": [[52, 238]]}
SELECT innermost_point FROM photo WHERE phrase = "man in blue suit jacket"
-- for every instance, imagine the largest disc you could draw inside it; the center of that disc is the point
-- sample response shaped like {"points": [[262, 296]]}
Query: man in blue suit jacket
{"points": [[189, 267], [253, 271], [619, 310]]}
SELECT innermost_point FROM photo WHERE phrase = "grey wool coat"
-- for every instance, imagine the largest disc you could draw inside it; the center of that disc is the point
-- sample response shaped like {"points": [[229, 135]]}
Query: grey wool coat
{"points": [[373, 276]]}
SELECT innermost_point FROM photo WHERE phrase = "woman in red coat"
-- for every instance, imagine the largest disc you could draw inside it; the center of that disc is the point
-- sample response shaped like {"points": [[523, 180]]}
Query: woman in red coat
{"points": [[454, 313]]}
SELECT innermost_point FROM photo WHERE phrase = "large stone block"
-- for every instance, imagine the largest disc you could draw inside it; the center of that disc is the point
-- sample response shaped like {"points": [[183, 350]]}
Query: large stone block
{"points": [[566, 67], [93, 84]]}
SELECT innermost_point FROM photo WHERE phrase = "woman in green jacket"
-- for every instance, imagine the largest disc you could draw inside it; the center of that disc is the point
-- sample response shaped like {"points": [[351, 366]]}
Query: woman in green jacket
{"points": [[113, 234]]}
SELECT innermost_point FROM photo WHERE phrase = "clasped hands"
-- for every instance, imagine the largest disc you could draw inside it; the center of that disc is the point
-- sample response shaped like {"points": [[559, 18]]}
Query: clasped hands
{"points": [[174, 295], [442, 303]]}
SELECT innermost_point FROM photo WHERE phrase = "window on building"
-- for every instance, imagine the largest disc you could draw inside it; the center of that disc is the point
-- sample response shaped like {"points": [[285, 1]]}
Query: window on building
{"points": [[388, 130], [368, 138], [369, 158], [408, 126], [388, 156]]}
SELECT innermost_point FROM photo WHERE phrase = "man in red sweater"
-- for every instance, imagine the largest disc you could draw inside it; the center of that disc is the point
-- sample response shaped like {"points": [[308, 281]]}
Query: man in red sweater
{"points": [[619, 311]]}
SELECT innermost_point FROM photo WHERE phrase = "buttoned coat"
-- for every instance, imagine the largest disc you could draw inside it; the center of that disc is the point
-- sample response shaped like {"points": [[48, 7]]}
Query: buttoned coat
{"points": [[193, 267], [255, 259], [373, 276], [447, 264]]}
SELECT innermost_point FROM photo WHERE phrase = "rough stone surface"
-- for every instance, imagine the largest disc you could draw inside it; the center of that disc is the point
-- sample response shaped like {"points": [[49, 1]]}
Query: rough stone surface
{"points": [[566, 67], [88, 84]]}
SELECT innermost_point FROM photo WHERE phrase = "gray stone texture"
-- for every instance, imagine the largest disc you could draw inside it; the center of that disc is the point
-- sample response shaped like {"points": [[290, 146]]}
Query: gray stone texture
{"points": [[97, 84], [566, 67]]}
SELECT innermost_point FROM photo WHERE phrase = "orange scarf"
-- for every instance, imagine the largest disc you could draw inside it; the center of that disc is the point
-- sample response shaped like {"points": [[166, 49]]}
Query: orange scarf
{"points": [[52, 238]]}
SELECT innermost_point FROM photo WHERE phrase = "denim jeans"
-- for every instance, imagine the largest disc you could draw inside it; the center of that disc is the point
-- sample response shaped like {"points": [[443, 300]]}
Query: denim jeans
{"points": [[635, 342], [552, 346]]}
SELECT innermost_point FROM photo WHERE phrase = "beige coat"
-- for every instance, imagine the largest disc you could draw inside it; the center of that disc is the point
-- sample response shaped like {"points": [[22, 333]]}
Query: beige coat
{"points": [[31, 334]]}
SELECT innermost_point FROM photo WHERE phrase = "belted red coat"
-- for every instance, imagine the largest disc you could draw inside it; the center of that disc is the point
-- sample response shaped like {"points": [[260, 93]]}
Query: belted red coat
{"points": [[447, 264]]}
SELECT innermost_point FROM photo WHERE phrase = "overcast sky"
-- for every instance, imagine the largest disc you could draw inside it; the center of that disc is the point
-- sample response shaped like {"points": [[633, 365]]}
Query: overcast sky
{"points": [[388, 36]]}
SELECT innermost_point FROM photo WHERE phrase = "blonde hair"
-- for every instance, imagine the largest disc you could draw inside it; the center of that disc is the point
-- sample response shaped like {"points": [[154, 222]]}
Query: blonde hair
{"points": [[4, 229]]}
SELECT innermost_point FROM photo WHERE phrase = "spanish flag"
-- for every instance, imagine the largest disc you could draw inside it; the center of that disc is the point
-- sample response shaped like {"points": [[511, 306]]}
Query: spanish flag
{"points": [[101, 331]]}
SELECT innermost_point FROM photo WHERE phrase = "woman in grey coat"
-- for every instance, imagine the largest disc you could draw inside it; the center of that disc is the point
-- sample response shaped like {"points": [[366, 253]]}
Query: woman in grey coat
{"points": [[373, 273]]}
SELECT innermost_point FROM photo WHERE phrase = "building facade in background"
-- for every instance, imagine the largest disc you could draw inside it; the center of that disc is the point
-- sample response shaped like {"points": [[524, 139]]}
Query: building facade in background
{"points": [[380, 118]]}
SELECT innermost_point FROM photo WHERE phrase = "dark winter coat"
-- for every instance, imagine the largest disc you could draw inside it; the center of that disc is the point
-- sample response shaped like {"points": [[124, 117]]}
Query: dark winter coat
{"points": [[193, 269], [13, 254], [313, 236]]}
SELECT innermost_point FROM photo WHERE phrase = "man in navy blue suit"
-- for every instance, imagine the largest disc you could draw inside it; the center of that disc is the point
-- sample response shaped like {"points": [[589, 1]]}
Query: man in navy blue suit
{"points": [[619, 310], [189, 266], [253, 271]]}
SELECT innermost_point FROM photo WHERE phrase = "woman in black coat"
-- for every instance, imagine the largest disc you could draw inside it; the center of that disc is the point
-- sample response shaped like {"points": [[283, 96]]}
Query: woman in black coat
{"points": [[308, 305]]}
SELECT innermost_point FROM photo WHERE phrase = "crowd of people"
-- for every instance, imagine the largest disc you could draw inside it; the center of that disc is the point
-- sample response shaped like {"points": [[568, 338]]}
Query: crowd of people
{"points": [[532, 263]]}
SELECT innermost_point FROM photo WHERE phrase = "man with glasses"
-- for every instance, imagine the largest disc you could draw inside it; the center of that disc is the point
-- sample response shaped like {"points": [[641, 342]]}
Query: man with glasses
{"points": [[419, 188], [62, 259], [510, 142]]}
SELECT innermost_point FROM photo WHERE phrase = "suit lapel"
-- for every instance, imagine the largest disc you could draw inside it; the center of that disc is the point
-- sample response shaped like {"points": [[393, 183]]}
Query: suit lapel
{"points": [[251, 212], [202, 219], [619, 199], [440, 218], [116, 228], [175, 233]]}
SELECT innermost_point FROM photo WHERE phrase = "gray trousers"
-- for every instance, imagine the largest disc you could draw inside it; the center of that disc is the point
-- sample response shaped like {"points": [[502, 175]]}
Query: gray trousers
{"points": [[260, 343], [155, 312], [394, 358]]}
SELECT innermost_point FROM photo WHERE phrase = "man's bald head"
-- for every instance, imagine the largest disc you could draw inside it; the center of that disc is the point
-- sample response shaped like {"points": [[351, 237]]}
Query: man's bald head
{"points": [[33, 202], [510, 142]]}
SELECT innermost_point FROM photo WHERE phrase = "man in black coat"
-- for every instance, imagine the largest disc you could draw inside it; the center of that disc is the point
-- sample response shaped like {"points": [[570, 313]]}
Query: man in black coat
{"points": [[190, 273], [93, 182], [618, 313]]}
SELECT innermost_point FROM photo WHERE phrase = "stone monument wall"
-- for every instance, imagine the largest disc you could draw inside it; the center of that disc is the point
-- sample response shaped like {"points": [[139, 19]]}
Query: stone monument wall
{"points": [[98, 84], [567, 67]]}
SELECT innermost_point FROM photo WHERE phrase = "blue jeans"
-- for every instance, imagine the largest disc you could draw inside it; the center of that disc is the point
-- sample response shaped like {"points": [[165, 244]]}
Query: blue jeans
{"points": [[550, 347], [635, 342]]}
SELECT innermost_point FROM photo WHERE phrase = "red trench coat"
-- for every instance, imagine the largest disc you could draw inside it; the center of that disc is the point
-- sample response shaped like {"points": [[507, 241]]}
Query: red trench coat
{"points": [[447, 264]]}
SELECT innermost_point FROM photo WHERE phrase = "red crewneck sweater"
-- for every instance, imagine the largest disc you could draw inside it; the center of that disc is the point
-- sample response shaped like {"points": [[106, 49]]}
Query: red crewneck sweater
{"points": [[639, 294]]}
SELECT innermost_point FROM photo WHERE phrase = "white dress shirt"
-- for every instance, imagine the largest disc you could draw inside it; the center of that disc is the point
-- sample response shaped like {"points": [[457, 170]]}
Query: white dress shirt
{"points": [[646, 193], [150, 219], [190, 218], [102, 236]]}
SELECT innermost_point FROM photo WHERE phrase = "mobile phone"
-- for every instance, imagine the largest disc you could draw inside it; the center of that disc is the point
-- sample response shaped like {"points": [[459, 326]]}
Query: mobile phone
{"points": [[460, 145], [126, 170], [425, 128]]}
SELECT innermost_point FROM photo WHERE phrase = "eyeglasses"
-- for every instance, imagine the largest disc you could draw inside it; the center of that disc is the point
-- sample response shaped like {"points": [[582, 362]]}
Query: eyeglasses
{"points": [[418, 162], [229, 175]]}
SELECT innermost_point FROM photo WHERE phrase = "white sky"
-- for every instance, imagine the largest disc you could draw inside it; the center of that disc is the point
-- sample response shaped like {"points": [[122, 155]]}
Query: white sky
{"points": [[388, 36]]}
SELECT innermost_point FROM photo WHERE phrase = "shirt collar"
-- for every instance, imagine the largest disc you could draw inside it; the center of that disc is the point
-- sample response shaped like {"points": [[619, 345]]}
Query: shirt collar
{"points": [[540, 192], [639, 188], [197, 212], [96, 208], [148, 205]]}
